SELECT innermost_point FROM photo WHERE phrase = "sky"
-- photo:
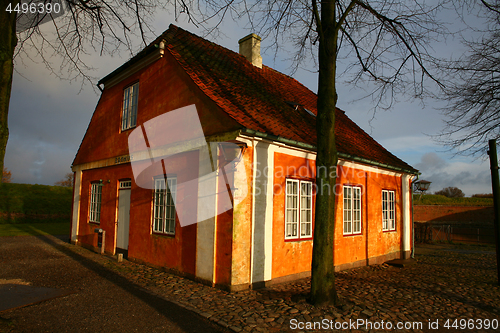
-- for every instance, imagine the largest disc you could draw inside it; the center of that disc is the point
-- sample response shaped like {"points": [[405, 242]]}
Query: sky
{"points": [[48, 118]]}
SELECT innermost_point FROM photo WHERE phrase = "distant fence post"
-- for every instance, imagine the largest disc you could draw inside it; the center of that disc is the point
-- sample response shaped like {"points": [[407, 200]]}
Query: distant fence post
{"points": [[495, 184]]}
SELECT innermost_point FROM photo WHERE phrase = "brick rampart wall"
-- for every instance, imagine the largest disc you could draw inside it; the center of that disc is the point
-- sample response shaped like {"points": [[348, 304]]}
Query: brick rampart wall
{"points": [[464, 214]]}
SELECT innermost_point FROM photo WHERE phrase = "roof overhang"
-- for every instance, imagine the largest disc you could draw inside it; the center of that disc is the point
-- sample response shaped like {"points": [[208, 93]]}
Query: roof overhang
{"points": [[342, 155], [140, 61]]}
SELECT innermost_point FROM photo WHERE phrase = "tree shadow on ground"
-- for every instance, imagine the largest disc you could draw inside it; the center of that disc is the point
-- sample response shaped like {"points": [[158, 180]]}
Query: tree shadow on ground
{"points": [[183, 318]]}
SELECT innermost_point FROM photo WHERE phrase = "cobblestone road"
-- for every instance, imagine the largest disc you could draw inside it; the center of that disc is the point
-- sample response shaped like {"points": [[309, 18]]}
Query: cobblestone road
{"points": [[449, 284]]}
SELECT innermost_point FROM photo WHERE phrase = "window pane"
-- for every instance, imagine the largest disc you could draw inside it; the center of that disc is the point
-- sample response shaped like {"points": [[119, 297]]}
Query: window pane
{"points": [[158, 205], [392, 211], [292, 208], [356, 210], [170, 205], [388, 210], [305, 229], [306, 209], [95, 203], [133, 111], [130, 101], [347, 209], [160, 191]]}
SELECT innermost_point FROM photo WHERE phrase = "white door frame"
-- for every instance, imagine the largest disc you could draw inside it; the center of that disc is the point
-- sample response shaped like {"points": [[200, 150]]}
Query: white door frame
{"points": [[123, 218]]}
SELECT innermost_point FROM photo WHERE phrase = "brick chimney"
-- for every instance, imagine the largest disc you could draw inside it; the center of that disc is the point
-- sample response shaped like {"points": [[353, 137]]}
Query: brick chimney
{"points": [[250, 49]]}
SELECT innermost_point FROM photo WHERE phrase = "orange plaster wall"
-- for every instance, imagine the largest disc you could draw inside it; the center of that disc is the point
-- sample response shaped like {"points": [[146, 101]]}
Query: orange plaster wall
{"points": [[242, 226], [372, 241], [163, 87], [109, 204], [177, 252], [289, 257]]}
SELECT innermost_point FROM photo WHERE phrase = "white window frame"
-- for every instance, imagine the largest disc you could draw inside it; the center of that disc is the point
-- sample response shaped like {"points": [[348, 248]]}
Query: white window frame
{"points": [[298, 209], [388, 210], [164, 205], [352, 210], [95, 203], [129, 110]]}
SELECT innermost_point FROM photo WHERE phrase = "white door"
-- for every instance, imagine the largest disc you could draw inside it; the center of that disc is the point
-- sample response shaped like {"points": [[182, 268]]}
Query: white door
{"points": [[123, 219]]}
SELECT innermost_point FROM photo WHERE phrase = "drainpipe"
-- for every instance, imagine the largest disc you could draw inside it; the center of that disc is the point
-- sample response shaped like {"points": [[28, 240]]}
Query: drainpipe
{"points": [[412, 221]]}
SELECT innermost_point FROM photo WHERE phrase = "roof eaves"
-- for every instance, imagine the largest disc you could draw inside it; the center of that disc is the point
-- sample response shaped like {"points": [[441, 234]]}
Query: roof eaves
{"points": [[340, 154], [378, 164], [133, 62]]}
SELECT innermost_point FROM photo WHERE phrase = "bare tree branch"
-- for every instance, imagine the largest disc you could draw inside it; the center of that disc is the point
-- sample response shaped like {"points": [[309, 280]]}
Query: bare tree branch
{"points": [[472, 92]]}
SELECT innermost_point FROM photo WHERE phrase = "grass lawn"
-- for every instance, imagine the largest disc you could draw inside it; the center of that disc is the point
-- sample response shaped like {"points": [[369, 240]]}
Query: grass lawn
{"points": [[34, 229]]}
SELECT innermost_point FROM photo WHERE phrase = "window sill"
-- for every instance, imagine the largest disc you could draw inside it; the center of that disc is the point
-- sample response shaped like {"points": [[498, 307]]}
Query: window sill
{"points": [[127, 129], [162, 234], [351, 235], [298, 239]]}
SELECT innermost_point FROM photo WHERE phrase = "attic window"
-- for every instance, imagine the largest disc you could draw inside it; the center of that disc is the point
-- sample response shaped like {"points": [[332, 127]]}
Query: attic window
{"points": [[293, 104], [298, 106], [129, 114]]}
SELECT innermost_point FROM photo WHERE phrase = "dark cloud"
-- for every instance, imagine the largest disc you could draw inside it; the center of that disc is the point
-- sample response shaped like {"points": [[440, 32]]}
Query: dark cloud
{"points": [[48, 118], [470, 178], [431, 162]]}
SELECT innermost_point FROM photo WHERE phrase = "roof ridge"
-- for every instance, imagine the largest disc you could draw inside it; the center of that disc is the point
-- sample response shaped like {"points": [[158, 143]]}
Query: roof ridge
{"points": [[256, 97], [242, 57]]}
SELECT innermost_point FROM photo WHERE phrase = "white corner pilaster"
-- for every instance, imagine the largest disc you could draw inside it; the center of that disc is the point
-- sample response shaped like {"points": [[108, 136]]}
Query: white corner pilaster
{"points": [[205, 230], [77, 192], [262, 224], [406, 205]]}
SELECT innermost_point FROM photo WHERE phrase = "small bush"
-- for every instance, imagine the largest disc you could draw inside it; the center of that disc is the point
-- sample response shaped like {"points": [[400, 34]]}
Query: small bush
{"points": [[451, 192]]}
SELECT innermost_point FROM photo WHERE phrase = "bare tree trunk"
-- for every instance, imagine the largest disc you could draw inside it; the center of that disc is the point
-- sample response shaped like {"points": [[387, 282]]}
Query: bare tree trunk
{"points": [[8, 41], [322, 270]]}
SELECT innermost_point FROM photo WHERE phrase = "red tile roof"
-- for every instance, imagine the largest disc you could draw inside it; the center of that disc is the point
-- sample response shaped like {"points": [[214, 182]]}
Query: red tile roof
{"points": [[257, 98]]}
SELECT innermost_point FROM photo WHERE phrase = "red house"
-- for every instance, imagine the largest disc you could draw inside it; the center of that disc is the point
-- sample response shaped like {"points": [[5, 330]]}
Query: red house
{"points": [[238, 213]]}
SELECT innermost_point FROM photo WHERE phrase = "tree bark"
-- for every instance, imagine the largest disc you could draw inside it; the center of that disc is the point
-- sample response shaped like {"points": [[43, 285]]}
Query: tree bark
{"points": [[8, 41], [322, 269]]}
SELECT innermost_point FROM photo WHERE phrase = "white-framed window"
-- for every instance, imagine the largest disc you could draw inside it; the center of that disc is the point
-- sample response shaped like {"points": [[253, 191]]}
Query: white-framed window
{"points": [[95, 203], [164, 205], [352, 210], [298, 209], [388, 211], [129, 114]]}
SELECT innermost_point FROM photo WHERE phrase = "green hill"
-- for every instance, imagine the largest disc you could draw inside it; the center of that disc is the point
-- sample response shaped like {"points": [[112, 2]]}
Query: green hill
{"points": [[21, 203]]}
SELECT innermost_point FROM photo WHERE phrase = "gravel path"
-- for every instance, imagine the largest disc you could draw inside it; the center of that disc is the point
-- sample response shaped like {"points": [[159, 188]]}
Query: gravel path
{"points": [[102, 300], [454, 286]]}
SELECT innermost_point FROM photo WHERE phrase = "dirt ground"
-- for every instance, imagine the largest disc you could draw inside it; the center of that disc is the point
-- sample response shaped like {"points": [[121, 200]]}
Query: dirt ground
{"points": [[100, 300]]}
